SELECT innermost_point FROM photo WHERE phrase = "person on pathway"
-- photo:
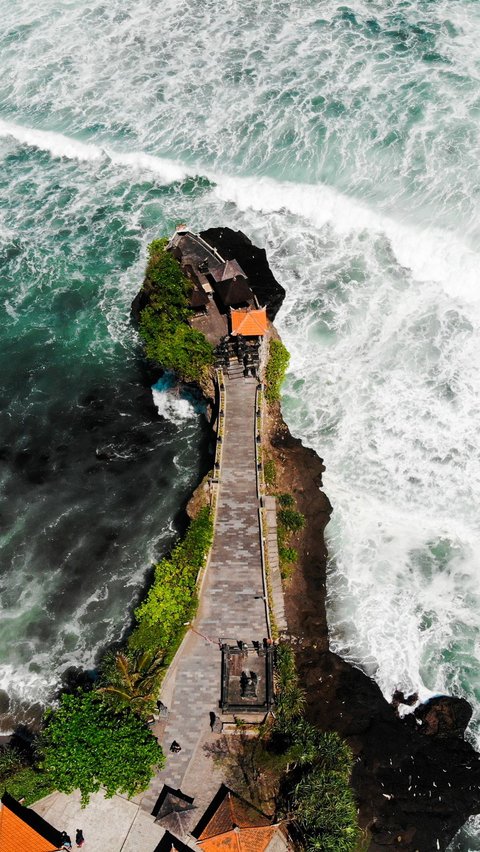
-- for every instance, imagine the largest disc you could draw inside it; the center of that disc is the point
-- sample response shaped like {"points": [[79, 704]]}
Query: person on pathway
{"points": [[66, 842], [175, 747], [79, 838]]}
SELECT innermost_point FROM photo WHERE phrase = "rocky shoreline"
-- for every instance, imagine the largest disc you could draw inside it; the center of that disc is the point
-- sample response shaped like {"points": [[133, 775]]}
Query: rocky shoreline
{"points": [[416, 779]]}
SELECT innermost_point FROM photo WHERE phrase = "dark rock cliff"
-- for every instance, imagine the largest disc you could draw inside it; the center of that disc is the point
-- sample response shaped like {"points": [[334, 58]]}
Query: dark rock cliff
{"points": [[416, 779]]}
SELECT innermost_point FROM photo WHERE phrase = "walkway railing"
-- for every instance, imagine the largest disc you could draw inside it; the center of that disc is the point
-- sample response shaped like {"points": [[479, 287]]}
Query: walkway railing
{"points": [[257, 432], [217, 466], [272, 581]]}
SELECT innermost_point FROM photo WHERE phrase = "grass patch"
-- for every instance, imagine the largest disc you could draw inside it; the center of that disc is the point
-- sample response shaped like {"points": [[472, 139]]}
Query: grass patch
{"points": [[270, 473], [278, 361]]}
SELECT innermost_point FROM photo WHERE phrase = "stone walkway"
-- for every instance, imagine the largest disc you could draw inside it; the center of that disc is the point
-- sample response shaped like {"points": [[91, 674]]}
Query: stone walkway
{"points": [[232, 606]]}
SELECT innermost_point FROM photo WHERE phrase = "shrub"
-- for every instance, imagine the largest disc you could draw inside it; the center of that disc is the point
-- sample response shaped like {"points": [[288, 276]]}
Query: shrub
{"points": [[86, 746], [325, 810], [290, 697], [11, 760], [286, 500], [292, 520], [171, 599], [322, 801], [168, 338], [276, 368], [28, 783], [288, 555]]}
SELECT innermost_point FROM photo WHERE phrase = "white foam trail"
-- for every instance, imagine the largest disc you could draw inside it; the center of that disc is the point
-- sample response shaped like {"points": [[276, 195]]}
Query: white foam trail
{"points": [[59, 145], [431, 253]]}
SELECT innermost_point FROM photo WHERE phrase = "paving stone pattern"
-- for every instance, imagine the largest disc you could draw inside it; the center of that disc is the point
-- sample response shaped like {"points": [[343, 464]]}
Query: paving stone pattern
{"points": [[232, 606]]}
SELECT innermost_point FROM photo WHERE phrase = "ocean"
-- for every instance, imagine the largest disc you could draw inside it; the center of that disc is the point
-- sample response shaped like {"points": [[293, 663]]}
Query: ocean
{"points": [[342, 138]]}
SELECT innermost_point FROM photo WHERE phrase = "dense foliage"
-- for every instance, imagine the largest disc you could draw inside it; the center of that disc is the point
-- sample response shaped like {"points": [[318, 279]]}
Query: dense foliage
{"points": [[319, 765], [171, 599], [29, 784], [168, 338], [278, 361], [20, 779], [132, 680], [86, 746]]}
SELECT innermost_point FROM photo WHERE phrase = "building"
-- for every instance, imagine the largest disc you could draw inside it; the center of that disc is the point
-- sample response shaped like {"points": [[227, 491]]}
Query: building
{"points": [[247, 678], [231, 824], [22, 830]]}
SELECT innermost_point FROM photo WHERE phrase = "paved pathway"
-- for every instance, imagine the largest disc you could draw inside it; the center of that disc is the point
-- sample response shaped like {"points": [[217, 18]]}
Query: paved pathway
{"points": [[232, 606]]}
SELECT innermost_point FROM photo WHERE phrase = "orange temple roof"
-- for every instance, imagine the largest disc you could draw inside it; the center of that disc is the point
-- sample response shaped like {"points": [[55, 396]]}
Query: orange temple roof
{"points": [[230, 824], [249, 323], [22, 829]]}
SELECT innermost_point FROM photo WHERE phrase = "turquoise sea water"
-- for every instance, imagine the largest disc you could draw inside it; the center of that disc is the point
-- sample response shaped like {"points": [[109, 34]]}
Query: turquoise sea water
{"points": [[343, 138]]}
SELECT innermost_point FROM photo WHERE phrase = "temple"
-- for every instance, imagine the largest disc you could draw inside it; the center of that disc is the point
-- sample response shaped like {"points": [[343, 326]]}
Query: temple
{"points": [[224, 306], [22, 830]]}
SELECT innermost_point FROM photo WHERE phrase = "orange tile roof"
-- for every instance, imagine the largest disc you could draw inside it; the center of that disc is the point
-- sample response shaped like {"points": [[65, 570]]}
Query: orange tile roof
{"points": [[17, 836], [240, 840], [249, 323], [235, 826]]}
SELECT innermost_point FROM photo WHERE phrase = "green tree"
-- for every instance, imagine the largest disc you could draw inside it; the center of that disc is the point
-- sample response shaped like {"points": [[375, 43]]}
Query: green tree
{"points": [[132, 680], [168, 338], [86, 746]]}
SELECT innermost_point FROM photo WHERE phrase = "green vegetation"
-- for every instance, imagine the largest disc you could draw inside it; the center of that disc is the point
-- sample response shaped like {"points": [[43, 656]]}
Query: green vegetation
{"points": [[270, 473], [168, 338], [171, 600], [86, 746], [29, 783], [292, 520], [132, 680], [278, 361], [325, 811], [21, 779], [318, 766], [289, 522]]}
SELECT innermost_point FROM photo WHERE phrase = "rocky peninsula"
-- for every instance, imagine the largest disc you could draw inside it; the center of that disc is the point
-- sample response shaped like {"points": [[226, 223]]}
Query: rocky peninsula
{"points": [[416, 778]]}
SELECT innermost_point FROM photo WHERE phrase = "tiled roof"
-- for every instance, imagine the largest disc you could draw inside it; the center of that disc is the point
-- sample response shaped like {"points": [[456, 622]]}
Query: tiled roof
{"points": [[240, 840], [22, 830], [249, 323], [234, 292], [230, 269]]}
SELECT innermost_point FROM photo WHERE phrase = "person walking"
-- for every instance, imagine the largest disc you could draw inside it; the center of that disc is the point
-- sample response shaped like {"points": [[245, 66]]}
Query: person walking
{"points": [[79, 838], [66, 842], [175, 747]]}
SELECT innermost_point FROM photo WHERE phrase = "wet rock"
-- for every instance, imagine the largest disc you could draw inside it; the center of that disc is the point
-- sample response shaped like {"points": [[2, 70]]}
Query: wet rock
{"points": [[444, 716], [4, 702]]}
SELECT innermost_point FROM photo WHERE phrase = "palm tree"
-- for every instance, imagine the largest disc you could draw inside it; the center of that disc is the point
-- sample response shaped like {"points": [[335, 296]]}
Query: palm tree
{"points": [[132, 680]]}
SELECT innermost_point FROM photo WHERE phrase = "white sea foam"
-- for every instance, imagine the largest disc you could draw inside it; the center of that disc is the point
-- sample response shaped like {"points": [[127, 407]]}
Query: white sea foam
{"points": [[59, 145], [346, 141], [170, 403]]}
